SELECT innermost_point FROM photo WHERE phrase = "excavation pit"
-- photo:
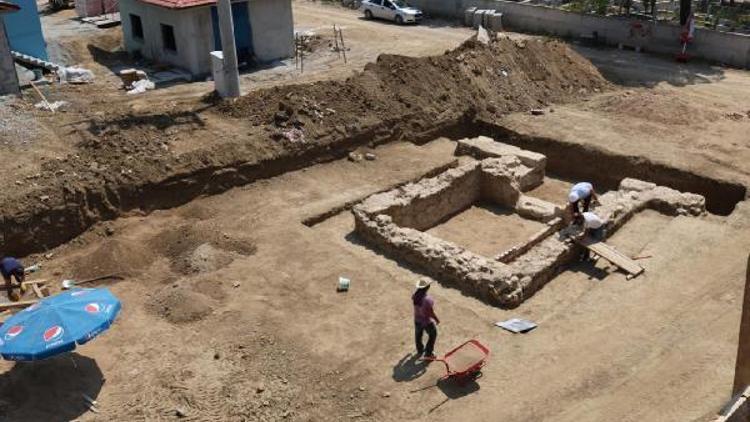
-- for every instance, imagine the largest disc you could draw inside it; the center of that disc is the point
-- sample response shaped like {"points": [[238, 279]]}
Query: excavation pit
{"points": [[487, 229], [428, 223]]}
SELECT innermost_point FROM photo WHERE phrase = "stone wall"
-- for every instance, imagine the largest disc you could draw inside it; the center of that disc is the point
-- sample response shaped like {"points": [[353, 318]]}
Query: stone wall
{"points": [[394, 222]]}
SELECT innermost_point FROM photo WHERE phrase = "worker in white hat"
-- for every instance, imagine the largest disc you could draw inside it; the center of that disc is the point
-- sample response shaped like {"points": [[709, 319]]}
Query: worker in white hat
{"points": [[424, 319], [581, 192], [593, 226]]}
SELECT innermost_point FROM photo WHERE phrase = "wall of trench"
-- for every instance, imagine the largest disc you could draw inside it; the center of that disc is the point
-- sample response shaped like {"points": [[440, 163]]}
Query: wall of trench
{"points": [[605, 169], [32, 230]]}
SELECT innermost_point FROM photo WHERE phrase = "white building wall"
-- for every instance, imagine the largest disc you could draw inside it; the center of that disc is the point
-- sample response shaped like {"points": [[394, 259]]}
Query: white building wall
{"points": [[272, 27], [189, 30]]}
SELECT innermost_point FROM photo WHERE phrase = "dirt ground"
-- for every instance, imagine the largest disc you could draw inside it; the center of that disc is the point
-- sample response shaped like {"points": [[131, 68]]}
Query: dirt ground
{"points": [[230, 309]]}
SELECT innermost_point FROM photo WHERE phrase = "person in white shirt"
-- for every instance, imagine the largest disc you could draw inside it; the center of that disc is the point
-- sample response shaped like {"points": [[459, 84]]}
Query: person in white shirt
{"points": [[593, 227], [581, 192]]}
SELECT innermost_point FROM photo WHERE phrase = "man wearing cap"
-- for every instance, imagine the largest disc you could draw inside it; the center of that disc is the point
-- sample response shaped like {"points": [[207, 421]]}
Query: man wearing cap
{"points": [[583, 191], [10, 266], [424, 319], [593, 226]]}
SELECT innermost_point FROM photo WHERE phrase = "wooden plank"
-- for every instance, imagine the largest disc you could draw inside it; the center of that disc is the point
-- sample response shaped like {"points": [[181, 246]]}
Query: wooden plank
{"points": [[3, 288], [20, 304], [612, 255], [37, 290]]}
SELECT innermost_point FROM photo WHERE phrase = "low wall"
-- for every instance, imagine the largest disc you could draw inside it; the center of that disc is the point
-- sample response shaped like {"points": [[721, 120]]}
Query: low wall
{"points": [[723, 47]]}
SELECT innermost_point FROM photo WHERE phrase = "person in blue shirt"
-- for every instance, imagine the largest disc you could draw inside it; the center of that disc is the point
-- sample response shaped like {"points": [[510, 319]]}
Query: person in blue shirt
{"points": [[11, 267]]}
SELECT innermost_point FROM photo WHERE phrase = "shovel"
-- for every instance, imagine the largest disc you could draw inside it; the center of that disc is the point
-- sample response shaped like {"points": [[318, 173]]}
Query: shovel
{"points": [[68, 284]]}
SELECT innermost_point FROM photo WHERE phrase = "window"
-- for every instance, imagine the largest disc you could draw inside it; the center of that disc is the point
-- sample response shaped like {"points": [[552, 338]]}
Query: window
{"points": [[136, 26], [167, 37], [377, 2]]}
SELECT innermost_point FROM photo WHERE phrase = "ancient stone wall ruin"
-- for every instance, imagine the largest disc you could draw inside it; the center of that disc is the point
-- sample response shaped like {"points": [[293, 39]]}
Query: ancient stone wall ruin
{"points": [[395, 221]]}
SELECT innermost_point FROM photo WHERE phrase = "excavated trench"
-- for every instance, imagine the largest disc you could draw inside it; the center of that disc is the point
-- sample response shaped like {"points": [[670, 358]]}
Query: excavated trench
{"points": [[605, 169], [36, 230]]}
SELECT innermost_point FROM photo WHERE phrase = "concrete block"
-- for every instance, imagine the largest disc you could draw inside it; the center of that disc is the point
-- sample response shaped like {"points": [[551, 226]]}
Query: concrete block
{"points": [[478, 18], [496, 22], [486, 18], [217, 70], [469, 16]]}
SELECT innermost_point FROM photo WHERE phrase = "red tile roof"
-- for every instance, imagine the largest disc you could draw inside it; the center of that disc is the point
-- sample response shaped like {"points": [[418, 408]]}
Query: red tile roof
{"points": [[179, 4], [6, 6]]}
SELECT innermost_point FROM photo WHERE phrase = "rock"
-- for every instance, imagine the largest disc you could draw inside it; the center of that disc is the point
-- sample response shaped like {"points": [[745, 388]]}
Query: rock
{"points": [[386, 394], [48, 255], [537, 112], [355, 157], [180, 412], [260, 388], [370, 156], [44, 198], [361, 388], [109, 231], [236, 284]]}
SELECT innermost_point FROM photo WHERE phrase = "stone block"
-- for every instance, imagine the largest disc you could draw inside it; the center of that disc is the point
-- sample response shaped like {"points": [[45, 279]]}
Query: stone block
{"points": [[484, 147], [537, 209], [469, 16]]}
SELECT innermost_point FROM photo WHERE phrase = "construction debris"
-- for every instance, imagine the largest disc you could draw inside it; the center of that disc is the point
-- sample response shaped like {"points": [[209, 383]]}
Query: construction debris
{"points": [[75, 75], [517, 325]]}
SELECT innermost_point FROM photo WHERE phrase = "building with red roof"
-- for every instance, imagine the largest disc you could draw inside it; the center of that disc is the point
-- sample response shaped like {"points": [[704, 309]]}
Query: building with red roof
{"points": [[184, 32]]}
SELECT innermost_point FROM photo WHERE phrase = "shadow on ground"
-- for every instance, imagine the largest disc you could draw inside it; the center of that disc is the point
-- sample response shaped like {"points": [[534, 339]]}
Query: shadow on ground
{"points": [[455, 390], [631, 69], [409, 368], [49, 390]]}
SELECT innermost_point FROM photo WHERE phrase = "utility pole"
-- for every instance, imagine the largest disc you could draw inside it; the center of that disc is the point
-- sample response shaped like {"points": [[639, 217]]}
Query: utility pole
{"points": [[226, 28], [742, 367]]}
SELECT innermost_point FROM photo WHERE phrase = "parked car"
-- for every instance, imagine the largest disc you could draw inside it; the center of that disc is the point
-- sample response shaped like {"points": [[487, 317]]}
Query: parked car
{"points": [[393, 10]]}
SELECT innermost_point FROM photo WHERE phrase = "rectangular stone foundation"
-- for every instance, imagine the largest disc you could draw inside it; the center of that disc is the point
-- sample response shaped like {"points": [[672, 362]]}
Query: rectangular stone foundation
{"points": [[395, 221]]}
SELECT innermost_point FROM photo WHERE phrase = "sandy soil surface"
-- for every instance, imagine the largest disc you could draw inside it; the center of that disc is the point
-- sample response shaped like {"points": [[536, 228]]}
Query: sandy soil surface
{"points": [[229, 303], [252, 326], [694, 116], [487, 229]]}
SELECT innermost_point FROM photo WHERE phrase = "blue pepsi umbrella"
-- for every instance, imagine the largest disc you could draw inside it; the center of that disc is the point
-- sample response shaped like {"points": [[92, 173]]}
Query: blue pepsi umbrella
{"points": [[57, 323]]}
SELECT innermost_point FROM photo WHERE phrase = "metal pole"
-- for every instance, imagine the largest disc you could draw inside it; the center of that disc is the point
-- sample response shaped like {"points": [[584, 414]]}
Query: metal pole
{"points": [[226, 28], [742, 366]]}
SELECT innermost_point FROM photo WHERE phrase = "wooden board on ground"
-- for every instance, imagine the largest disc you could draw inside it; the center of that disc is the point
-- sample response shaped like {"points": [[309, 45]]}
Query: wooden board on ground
{"points": [[612, 255], [27, 284], [37, 289]]}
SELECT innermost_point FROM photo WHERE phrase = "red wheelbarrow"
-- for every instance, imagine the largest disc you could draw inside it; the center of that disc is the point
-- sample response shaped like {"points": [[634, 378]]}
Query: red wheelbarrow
{"points": [[465, 362]]}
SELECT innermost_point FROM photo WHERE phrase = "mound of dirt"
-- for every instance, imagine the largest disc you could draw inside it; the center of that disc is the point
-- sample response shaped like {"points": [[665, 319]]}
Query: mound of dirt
{"points": [[205, 258], [113, 256], [498, 78], [179, 305], [194, 249], [656, 106], [125, 159]]}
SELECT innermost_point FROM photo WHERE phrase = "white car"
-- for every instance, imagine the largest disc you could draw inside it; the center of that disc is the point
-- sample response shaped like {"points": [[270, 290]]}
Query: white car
{"points": [[393, 10]]}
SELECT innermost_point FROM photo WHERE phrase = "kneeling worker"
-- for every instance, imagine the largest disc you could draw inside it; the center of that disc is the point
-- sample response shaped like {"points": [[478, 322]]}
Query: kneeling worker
{"points": [[583, 191], [10, 266], [593, 227]]}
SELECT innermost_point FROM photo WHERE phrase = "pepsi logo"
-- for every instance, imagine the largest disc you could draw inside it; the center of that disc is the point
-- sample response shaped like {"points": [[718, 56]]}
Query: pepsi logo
{"points": [[53, 333], [93, 308], [13, 332]]}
